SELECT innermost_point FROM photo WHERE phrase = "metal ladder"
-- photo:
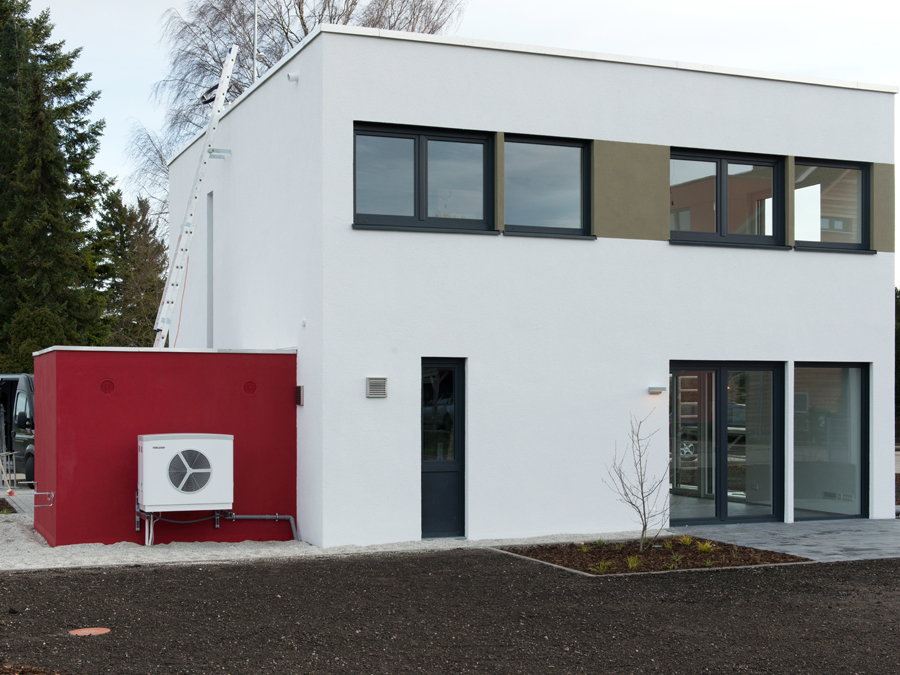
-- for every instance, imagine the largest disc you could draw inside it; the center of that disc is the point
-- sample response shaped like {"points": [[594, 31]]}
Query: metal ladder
{"points": [[178, 267]]}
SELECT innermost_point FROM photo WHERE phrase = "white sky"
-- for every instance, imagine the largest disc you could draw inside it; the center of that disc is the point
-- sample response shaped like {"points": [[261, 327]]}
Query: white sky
{"points": [[835, 39]]}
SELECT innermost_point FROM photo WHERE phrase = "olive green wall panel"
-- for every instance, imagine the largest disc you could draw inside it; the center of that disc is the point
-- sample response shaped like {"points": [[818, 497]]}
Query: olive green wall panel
{"points": [[882, 217], [630, 196]]}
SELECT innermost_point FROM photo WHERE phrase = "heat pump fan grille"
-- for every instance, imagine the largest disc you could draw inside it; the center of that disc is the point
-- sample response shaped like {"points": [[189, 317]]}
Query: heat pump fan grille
{"points": [[189, 471]]}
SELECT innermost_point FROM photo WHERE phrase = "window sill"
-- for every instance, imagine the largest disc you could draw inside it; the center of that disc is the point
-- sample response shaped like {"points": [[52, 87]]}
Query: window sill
{"points": [[832, 249], [728, 244], [547, 235], [402, 228]]}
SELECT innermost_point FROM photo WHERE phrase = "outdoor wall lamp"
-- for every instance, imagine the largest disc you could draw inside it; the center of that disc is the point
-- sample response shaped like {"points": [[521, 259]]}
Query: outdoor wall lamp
{"points": [[656, 390]]}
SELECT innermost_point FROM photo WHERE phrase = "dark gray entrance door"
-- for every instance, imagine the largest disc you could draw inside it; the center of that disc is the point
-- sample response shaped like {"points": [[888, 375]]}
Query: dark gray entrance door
{"points": [[443, 425], [726, 451]]}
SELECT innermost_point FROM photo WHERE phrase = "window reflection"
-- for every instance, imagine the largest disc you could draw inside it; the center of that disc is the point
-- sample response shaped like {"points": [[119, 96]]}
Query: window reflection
{"points": [[692, 190], [543, 185], [750, 199], [385, 175], [455, 180], [438, 414], [750, 442], [828, 204], [827, 442]]}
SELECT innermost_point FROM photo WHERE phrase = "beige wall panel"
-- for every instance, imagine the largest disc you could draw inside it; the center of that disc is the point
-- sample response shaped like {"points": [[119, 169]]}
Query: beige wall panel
{"points": [[882, 200], [630, 197]]}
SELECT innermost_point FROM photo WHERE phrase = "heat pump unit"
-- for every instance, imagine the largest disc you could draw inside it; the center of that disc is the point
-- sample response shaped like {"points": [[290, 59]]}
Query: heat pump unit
{"points": [[185, 472]]}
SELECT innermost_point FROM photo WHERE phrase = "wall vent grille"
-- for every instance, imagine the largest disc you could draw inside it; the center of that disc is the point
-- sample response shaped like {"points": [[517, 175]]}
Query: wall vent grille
{"points": [[376, 387]]}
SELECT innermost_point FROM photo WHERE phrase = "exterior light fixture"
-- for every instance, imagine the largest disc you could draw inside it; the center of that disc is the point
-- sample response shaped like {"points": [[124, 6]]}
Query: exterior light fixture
{"points": [[656, 390]]}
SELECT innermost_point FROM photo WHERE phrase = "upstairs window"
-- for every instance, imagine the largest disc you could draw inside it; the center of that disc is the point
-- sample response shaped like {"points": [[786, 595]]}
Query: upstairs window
{"points": [[407, 177], [546, 186], [726, 198], [831, 206]]}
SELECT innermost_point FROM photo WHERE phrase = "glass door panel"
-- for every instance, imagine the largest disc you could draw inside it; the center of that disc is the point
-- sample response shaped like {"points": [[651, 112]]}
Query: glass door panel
{"points": [[750, 443], [438, 408], [692, 447]]}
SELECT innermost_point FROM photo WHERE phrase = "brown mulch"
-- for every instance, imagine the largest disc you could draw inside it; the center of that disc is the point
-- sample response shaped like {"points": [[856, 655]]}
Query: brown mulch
{"points": [[26, 670], [6, 506], [661, 555]]}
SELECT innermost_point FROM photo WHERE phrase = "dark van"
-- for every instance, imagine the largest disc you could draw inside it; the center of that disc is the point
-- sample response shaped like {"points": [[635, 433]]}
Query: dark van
{"points": [[17, 401]]}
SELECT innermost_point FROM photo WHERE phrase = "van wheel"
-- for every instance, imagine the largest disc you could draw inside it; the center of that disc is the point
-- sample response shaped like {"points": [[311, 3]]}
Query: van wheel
{"points": [[29, 470]]}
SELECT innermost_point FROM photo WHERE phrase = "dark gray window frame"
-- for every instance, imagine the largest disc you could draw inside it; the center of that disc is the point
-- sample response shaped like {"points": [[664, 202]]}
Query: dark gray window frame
{"points": [[583, 232], [865, 447], [866, 206], [420, 221], [721, 236]]}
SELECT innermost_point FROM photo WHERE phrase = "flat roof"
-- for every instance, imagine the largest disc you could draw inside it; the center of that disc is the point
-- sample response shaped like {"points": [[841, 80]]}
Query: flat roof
{"points": [[167, 350], [543, 51]]}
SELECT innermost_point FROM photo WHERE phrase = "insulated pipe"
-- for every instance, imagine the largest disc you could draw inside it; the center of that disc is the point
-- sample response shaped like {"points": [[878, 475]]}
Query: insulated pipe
{"points": [[232, 516]]}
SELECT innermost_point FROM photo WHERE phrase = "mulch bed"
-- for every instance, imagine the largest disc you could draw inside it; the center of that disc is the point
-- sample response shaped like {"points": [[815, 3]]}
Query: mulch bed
{"points": [[5, 506], [675, 553], [26, 670]]}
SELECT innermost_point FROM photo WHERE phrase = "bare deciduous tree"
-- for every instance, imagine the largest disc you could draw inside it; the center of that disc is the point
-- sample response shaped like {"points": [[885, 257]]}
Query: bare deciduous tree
{"points": [[199, 39], [631, 478], [149, 152]]}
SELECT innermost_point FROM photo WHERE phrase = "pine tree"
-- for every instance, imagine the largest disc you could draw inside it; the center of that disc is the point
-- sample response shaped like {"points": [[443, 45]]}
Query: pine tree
{"points": [[131, 262], [47, 189]]}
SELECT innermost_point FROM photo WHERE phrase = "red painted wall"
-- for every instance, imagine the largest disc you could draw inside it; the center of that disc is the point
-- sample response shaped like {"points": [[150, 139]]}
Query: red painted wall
{"points": [[91, 405]]}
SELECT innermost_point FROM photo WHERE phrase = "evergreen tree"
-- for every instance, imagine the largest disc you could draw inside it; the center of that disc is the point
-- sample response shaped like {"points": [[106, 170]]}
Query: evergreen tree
{"points": [[47, 189], [131, 263]]}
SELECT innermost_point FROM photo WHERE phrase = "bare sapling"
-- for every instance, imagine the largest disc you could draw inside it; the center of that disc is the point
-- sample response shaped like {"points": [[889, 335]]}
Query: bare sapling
{"points": [[631, 478]]}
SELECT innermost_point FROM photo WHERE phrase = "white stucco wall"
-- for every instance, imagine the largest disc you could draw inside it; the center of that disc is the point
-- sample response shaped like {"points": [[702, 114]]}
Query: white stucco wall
{"points": [[562, 337]]}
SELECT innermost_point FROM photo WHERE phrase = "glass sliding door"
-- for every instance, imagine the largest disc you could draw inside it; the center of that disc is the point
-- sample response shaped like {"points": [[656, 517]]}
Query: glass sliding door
{"points": [[725, 449], [692, 424], [830, 441], [751, 447]]}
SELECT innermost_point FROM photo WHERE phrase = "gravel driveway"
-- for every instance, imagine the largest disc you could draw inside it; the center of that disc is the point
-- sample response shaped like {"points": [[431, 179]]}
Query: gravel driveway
{"points": [[460, 611]]}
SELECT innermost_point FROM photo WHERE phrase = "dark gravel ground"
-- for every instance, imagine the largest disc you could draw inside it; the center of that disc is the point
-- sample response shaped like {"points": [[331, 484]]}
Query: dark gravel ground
{"points": [[463, 611]]}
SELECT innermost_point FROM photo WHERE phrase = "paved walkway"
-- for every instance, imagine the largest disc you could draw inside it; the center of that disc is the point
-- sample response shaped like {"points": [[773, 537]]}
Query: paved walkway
{"points": [[22, 501], [820, 540]]}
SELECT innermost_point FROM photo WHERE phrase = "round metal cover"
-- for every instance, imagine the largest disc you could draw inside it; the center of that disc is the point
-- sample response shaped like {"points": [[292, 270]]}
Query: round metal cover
{"points": [[189, 471]]}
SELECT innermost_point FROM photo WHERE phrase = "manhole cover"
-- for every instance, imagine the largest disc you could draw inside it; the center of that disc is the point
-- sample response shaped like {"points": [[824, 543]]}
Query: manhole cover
{"points": [[89, 631]]}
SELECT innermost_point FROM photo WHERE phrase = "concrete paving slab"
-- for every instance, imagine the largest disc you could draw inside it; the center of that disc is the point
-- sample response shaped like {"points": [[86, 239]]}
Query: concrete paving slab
{"points": [[22, 501], [820, 540]]}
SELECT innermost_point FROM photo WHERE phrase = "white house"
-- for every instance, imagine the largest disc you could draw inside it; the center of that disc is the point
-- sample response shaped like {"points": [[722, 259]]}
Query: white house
{"points": [[524, 242]]}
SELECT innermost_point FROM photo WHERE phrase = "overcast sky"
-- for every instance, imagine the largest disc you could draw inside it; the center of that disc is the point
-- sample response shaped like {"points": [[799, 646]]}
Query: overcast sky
{"points": [[835, 39]]}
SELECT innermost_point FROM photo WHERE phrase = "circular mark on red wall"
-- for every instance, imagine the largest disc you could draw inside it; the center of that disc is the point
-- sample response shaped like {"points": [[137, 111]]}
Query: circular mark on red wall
{"points": [[107, 386], [250, 387]]}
